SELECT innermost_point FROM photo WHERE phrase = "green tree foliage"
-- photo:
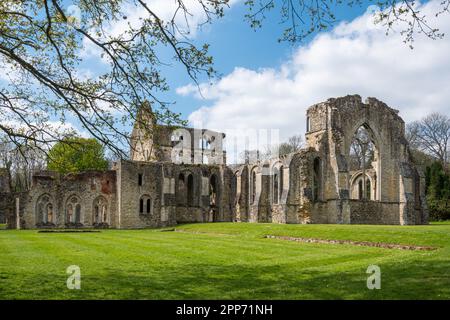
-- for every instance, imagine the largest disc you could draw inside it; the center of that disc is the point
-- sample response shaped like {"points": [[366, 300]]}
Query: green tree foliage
{"points": [[43, 46], [438, 191], [304, 18], [77, 154]]}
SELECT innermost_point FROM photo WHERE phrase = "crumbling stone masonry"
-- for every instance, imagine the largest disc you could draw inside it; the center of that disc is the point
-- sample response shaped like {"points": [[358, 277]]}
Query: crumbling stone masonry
{"points": [[5, 194], [160, 185], [316, 185]]}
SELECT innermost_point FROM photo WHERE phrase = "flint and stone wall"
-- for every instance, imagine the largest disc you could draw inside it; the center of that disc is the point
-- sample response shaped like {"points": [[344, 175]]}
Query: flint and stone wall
{"points": [[313, 185], [317, 181]]}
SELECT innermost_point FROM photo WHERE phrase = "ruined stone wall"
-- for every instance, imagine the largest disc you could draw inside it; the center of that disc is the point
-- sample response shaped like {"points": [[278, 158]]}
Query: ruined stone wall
{"points": [[136, 181], [345, 116], [331, 130], [8, 207], [313, 185], [154, 142], [200, 205], [241, 195], [318, 183], [374, 212], [178, 193], [87, 188]]}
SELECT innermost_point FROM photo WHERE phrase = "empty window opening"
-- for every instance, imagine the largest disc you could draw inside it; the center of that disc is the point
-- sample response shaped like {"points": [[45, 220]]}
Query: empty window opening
{"points": [[148, 205], [190, 190], [276, 185], [100, 211], [213, 191], [253, 188], [317, 180], [363, 158], [73, 210]]}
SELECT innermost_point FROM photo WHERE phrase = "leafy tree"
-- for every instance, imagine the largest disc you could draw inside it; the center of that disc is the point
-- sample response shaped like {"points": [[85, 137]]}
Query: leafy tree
{"points": [[77, 154], [41, 45], [20, 162], [431, 135], [438, 191], [303, 18]]}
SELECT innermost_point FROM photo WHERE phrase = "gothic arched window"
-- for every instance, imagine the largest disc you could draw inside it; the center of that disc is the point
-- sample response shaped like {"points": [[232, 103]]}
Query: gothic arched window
{"points": [[101, 215], [145, 204], [73, 210], [44, 210]]}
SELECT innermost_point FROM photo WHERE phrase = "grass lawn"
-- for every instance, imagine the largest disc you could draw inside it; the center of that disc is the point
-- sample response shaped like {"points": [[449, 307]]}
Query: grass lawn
{"points": [[2, 226], [226, 261]]}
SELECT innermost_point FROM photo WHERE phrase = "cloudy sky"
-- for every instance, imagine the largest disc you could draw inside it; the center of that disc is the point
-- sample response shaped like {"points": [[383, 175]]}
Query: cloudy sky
{"points": [[265, 84], [356, 57]]}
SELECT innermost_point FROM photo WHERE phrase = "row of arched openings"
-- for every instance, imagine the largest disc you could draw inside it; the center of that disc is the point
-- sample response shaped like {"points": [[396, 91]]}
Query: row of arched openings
{"points": [[186, 189], [45, 213], [277, 185], [145, 204]]}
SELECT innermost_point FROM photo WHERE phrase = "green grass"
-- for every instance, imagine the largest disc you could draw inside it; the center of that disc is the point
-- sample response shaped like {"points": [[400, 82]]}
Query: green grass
{"points": [[226, 261], [2, 226]]}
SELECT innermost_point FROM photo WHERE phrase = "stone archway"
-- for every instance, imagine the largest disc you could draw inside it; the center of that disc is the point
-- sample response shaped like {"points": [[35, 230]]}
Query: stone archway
{"points": [[333, 125], [363, 157], [101, 216], [45, 213], [73, 212]]}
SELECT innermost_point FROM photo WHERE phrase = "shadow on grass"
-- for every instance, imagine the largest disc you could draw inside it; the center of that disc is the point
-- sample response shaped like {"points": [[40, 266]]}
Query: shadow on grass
{"points": [[413, 279]]}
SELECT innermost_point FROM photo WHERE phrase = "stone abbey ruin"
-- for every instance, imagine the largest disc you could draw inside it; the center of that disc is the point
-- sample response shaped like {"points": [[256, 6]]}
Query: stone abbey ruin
{"points": [[318, 184]]}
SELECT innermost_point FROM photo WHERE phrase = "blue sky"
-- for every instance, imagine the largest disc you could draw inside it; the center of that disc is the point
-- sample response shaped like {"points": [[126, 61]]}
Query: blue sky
{"points": [[233, 43], [269, 85]]}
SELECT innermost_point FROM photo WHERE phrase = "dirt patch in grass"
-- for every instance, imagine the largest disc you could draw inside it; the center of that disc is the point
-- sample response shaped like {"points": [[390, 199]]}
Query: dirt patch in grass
{"points": [[355, 243], [67, 231], [204, 233]]}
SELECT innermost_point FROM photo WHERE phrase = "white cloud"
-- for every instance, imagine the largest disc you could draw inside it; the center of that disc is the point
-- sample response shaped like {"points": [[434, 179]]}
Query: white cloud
{"points": [[166, 10], [11, 72], [47, 131], [354, 58]]}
